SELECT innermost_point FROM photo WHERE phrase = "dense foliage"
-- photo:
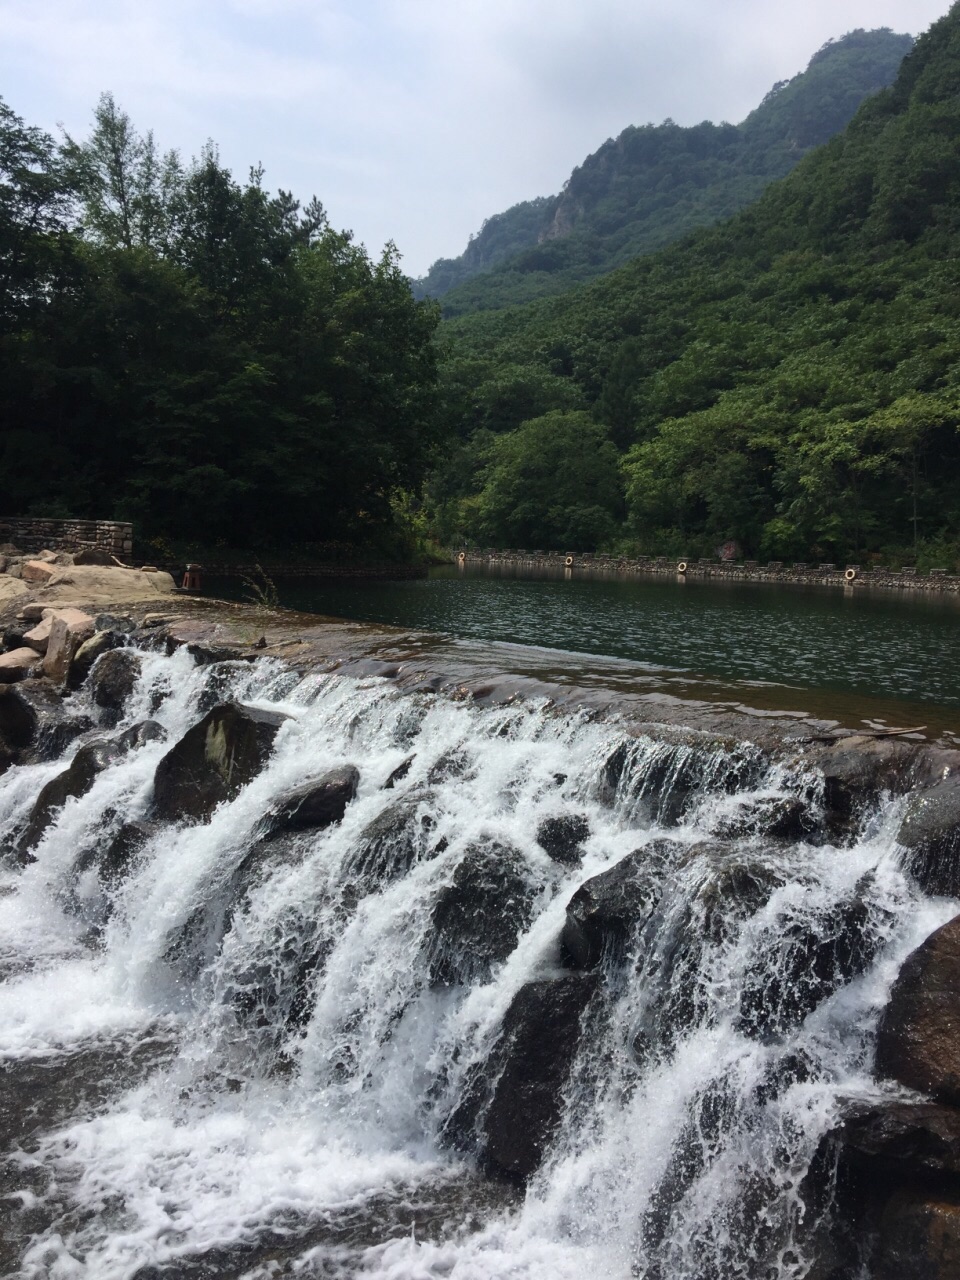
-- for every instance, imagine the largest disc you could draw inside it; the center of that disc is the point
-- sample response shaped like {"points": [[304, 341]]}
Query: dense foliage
{"points": [[789, 380], [210, 360], [654, 184]]}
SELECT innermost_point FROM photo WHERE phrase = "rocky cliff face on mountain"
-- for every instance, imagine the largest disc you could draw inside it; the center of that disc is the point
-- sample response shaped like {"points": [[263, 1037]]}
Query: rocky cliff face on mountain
{"points": [[654, 183]]}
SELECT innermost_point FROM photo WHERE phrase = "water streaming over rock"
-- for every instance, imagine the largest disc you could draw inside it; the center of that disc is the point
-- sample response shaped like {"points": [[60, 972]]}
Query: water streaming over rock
{"points": [[386, 1048]]}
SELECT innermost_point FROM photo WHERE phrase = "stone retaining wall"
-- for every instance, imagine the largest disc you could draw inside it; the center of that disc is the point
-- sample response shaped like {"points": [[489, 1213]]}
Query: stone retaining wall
{"points": [[832, 575], [28, 534]]}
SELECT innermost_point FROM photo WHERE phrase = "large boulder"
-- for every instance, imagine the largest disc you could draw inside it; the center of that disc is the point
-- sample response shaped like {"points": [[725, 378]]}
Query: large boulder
{"points": [[68, 630], [918, 1040], [18, 718], [214, 760], [96, 646], [11, 588], [531, 1065], [18, 664], [605, 909], [400, 835], [318, 803], [102, 584], [113, 678], [77, 779], [478, 918], [37, 572], [930, 833], [819, 954]]}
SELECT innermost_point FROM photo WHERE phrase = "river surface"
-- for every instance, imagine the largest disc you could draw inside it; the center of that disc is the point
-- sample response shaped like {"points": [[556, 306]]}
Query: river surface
{"points": [[881, 647]]}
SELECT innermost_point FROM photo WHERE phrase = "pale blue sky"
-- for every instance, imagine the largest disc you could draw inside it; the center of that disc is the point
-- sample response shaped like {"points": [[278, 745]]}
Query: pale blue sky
{"points": [[413, 120]]}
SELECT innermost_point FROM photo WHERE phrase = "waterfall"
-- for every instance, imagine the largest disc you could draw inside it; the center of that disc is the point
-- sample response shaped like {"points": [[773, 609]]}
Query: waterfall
{"points": [[256, 1055]]}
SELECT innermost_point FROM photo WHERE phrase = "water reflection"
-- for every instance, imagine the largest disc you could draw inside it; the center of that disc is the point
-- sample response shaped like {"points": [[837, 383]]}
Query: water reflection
{"points": [[903, 646]]}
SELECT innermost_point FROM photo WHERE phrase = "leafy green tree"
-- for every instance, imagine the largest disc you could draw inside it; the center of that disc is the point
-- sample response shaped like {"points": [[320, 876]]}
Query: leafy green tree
{"points": [[552, 483]]}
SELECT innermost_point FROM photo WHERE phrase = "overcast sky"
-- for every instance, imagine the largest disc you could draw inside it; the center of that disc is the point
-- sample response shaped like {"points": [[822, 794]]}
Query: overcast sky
{"points": [[413, 120]]}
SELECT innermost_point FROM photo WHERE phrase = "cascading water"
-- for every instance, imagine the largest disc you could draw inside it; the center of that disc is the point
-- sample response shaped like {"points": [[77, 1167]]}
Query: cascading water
{"points": [[303, 1055]]}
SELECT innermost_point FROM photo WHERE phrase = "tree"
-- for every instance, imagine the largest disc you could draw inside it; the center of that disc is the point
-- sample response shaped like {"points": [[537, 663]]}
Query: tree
{"points": [[551, 483]]}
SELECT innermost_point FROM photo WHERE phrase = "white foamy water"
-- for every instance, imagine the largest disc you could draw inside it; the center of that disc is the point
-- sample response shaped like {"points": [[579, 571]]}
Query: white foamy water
{"points": [[301, 1127]]}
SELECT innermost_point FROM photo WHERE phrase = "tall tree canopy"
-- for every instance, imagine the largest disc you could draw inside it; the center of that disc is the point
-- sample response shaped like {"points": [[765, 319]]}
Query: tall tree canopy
{"points": [[192, 352]]}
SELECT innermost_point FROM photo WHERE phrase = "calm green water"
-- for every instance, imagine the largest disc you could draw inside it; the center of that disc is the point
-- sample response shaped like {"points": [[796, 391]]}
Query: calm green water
{"points": [[885, 645]]}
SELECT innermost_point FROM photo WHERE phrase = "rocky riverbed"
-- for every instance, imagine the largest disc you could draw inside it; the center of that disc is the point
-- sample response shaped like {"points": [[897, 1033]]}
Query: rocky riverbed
{"points": [[621, 903]]}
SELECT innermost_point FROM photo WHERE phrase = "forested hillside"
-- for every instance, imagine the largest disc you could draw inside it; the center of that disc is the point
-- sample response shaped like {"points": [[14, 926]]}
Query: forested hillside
{"points": [[197, 355], [654, 184], [789, 380]]}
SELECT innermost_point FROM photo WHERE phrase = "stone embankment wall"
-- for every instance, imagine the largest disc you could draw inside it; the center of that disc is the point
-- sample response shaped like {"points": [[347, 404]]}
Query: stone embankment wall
{"points": [[830, 575], [113, 536]]}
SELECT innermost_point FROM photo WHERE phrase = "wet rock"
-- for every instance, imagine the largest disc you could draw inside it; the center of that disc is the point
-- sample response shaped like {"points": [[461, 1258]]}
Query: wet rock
{"points": [[918, 1039], [902, 1139], [400, 835], [776, 818], [399, 773], [919, 1237], [531, 1065], [19, 721], [91, 896], [930, 832], [214, 760], [605, 909], [113, 679], [100, 642], [479, 917], [318, 803], [79, 777], [452, 765], [818, 956], [207, 655], [857, 771], [658, 782], [561, 838]]}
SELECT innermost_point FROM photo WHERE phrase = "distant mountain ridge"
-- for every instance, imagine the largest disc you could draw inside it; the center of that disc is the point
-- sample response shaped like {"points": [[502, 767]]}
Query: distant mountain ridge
{"points": [[655, 183]]}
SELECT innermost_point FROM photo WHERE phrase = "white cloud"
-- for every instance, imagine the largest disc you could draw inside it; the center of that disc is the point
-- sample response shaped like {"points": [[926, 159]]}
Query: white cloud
{"points": [[414, 119]]}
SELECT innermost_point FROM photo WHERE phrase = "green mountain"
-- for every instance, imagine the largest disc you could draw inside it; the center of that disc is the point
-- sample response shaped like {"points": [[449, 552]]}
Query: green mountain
{"points": [[789, 380], [655, 183]]}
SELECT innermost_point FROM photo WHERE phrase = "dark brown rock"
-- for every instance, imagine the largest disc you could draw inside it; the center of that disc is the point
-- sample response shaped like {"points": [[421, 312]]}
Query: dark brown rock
{"points": [[100, 642], [903, 1139], [79, 777], [605, 909], [531, 1065], [918, 1040], [93, 555], [479, 917], [214, 760], [930, 832], [18, 718], [113, 679], [318, 803], [919, 1237], [400, 835], [561, 837]]}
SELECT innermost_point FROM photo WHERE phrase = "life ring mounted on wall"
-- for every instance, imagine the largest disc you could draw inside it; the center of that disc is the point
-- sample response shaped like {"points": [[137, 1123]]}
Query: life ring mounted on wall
{"points": [[681, 566], [461, 556], [568, 562], [850, 575]]}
